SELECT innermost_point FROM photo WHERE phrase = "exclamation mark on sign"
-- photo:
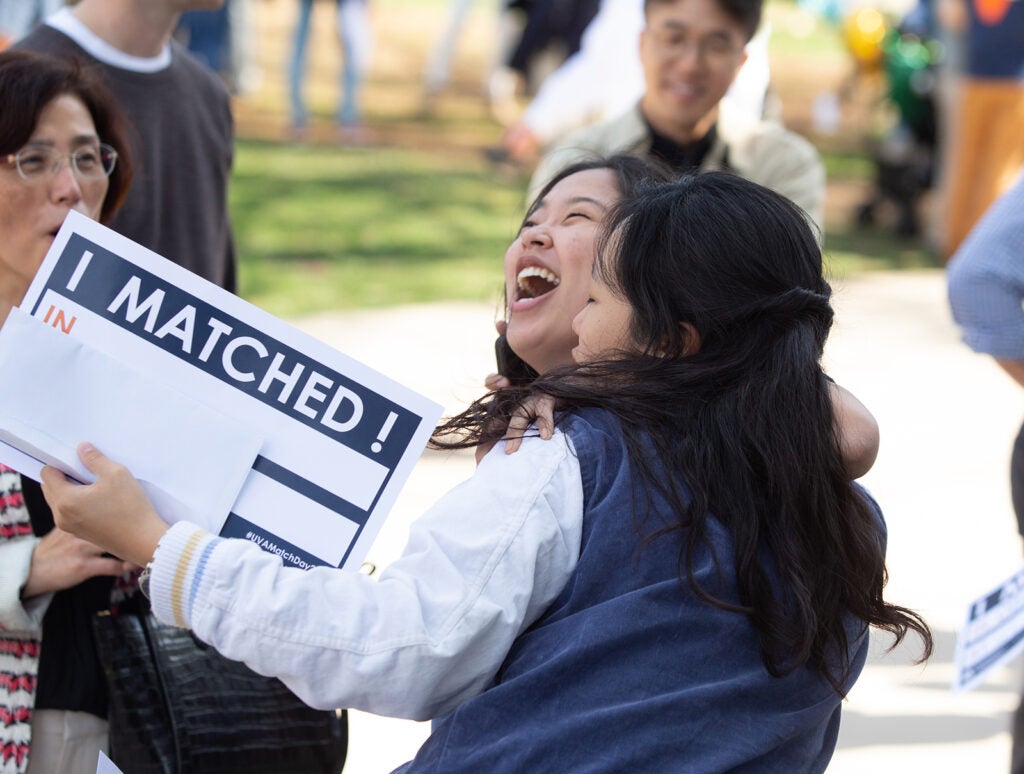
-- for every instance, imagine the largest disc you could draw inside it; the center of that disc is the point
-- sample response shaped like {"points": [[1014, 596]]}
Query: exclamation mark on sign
{"points": [[383, 434]]}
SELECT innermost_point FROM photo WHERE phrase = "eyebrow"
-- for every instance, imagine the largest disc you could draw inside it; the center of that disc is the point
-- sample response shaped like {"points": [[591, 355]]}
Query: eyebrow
{"points": [[678, 26], [569, 203], [586, 199], [80, 139]]}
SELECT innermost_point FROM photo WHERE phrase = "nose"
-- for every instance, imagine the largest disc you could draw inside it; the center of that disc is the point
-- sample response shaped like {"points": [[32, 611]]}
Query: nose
{"points": [[691, 59], [690, 56], [535, 235], [577, 321], [65, 187]]}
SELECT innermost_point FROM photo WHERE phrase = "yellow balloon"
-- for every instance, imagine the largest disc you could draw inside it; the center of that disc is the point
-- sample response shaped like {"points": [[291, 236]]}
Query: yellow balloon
{"points": [[864, 30]]}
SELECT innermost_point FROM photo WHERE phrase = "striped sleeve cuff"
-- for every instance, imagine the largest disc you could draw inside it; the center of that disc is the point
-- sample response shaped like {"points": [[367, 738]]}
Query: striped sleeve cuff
{"points": [[177, 572]]}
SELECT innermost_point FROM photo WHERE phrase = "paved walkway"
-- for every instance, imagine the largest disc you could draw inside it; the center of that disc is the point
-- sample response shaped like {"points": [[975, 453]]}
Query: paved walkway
{"points": [[948, 418]]}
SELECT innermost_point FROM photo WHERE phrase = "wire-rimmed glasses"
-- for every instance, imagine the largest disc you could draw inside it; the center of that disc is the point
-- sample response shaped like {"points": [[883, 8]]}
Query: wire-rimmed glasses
{"points": [[36, 163]]}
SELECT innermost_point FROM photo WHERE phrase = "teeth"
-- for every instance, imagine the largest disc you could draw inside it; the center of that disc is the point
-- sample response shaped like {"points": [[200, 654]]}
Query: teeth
{"points": [[536, 271]]}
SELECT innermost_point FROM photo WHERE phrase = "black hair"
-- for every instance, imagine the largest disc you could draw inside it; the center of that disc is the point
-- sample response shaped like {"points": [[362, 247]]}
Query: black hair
{"points": [[746, 13], [730, 317], [632, 174]]}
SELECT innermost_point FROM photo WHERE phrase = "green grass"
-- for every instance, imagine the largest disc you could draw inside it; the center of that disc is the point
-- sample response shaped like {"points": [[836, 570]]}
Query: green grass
{"points": [[327, 228], [845, 165], [854, 251], [851, 248], [320, 228]]}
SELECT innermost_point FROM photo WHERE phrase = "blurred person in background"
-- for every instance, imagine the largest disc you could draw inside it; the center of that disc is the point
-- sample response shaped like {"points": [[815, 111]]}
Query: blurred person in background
{"points": [[529, 35], [353, 26], [224, 40], [988, 144], [62, 148], [17, 17], [207, 34], [439, 63], [691, 52], [986, 291], [183, 139], [549, 32], [244, 68], [605, 78], [551, 25]]}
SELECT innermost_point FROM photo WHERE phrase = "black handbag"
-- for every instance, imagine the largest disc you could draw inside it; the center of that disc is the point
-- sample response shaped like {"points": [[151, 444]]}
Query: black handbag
{"points": [[179, 707]]}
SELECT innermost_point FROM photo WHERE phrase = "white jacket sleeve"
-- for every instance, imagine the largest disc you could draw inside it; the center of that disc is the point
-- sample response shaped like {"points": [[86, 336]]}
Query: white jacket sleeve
{"points": [[480, 567]]}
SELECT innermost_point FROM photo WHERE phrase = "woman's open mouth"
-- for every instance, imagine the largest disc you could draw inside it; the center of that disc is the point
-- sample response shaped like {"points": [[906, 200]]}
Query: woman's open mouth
{"points": [[534, 282]]}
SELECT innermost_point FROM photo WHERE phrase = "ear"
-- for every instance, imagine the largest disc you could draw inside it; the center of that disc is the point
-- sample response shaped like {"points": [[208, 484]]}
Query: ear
{"points": [[691, 339]]}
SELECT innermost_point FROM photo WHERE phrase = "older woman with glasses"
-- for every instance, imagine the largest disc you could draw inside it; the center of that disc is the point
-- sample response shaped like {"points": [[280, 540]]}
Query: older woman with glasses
{"points": [[62, 148]]}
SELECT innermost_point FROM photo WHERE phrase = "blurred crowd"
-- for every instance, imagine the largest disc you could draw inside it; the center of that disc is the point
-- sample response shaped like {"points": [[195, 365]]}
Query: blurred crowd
{"points": [[950, 72]]}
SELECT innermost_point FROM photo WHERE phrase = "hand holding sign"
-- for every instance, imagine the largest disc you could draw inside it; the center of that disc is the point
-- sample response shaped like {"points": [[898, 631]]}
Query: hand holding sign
{"points": [[112, 513]]}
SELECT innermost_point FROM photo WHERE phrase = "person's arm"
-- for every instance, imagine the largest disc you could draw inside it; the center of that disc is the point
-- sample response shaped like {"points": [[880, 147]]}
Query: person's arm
{"points": [[986, 283], [857, 431], [1015, 368], [479, 568], [32, 569], [18, 614], [60, 560], [855, 426]]}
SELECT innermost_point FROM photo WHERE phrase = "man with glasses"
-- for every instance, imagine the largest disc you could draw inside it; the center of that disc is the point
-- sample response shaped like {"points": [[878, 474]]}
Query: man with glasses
{"points": [[691, 51], [181, 114]]}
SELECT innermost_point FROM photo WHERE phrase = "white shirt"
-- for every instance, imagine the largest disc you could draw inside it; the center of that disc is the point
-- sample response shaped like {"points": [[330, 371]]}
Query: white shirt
{"points": [[65, 21], [480, 566]]}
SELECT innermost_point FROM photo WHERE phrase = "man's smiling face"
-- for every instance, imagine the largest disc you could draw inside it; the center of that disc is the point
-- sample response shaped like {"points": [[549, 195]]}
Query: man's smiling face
{"points": [[691, 51]]}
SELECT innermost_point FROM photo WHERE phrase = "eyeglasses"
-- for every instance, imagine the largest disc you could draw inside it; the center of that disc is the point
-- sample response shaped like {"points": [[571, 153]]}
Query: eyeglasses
{"points": [[712, 50], [36, 163]]}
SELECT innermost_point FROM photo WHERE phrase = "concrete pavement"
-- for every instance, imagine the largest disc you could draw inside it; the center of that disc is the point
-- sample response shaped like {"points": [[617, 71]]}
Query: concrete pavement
{"points": [[948, 418]]}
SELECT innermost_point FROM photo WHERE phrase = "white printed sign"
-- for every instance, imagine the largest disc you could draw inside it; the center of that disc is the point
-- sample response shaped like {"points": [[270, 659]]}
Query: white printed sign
{"points": [[993, 633], [334, 440]]}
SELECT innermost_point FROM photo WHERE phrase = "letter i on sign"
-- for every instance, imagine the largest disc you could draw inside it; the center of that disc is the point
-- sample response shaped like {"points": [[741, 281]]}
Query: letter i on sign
{"points": [[59, 320], [55, 316]]}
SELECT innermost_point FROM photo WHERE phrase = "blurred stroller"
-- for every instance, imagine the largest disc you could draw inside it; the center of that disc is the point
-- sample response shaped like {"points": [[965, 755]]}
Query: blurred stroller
{"points": [[905, 157]]}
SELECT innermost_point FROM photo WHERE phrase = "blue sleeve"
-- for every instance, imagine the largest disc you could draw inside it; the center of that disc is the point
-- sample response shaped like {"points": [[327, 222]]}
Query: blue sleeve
{"points": [[986, 280]]}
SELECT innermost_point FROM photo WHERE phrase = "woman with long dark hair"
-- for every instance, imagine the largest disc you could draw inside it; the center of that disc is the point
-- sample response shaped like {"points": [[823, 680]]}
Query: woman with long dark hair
{"points": [[681, 579], [733, 319]]}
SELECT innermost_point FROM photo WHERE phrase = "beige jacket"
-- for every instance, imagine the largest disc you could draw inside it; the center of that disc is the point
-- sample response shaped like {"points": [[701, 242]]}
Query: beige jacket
{"points": [[762, 151]]}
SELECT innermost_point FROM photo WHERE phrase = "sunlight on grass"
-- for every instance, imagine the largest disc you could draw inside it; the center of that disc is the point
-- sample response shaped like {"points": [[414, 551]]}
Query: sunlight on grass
{"points": [[327, 228], [322, 228]]}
